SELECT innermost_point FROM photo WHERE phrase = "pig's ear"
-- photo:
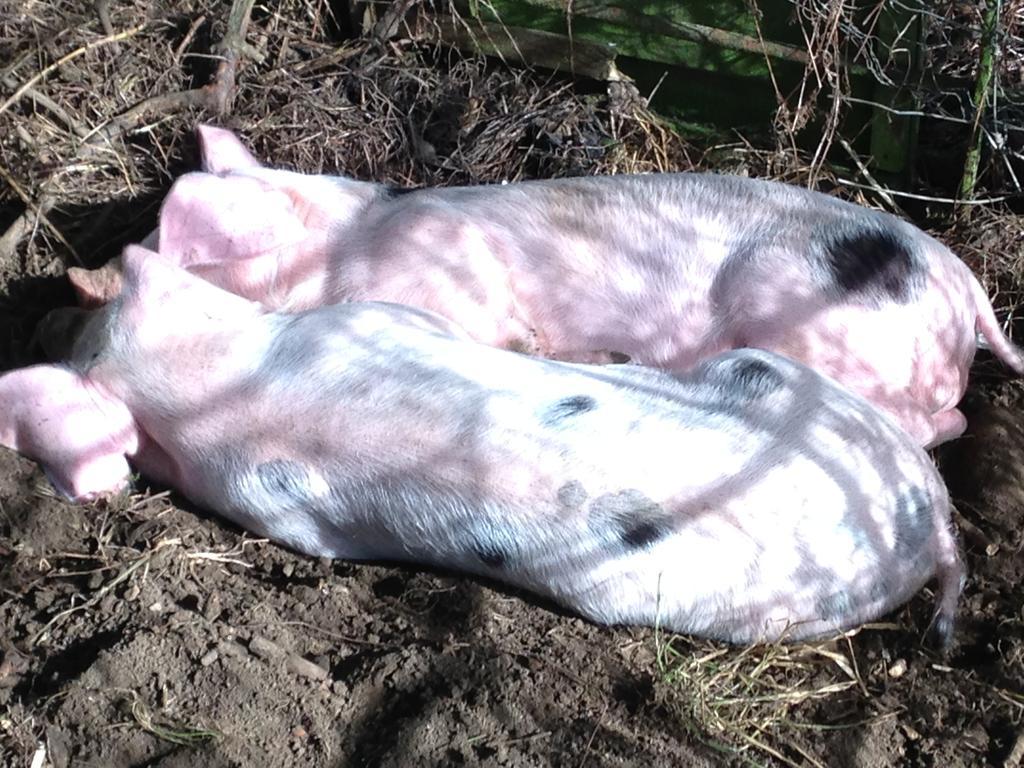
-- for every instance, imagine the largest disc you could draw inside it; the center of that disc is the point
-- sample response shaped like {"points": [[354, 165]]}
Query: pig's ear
{"points": [[96, 287], [147, 276], [79, 434], [134, 261], [209, 219], [222, 152], [151, 281]]}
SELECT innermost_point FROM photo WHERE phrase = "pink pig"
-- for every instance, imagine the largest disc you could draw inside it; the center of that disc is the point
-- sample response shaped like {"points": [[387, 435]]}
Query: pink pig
{"points": [[748, 499], [666, 270]]}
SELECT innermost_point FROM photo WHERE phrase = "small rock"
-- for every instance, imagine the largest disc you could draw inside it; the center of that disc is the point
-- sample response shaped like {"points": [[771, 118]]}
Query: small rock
{"points": [[305, 668], [108, 604], [212, 609], [12, 668], [209, 657], [231, 648], [898, 668], [288, 569], [264, 648]]}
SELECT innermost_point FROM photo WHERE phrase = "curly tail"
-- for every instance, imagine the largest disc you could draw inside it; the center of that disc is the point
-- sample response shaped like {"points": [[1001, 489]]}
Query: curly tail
{"points": [[989, 327]]}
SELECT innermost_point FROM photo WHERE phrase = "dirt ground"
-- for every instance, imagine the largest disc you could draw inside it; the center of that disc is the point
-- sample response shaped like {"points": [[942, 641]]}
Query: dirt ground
{"points": [[141, 631]]}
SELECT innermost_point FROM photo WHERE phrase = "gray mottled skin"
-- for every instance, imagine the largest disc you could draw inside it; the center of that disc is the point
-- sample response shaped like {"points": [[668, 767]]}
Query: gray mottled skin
{"points": [[747, 499]]}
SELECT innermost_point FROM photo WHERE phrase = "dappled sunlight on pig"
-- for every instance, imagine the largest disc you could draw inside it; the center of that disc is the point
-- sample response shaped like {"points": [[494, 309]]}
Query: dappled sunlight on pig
{"points": [[918, 378], [747, 499], [664, 270], [80, 434]]}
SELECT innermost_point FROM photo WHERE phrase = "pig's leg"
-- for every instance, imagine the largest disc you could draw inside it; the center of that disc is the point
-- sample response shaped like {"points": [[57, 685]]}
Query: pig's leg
{"points": [[951, 575], [928, 429], [947, 425]]}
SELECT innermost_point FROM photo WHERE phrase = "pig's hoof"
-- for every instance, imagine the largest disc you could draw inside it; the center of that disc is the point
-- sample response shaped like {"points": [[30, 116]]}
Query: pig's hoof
{"points": [[940, 635], [946, 426]]}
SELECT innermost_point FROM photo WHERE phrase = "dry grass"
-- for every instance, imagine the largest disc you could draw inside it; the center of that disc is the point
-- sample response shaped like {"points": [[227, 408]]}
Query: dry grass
{"points": [[750, 703], [181, 734], [953, 40]]}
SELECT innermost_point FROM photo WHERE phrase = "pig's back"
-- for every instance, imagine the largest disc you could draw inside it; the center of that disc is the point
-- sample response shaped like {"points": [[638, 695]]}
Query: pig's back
{"points": [[368, 432], [659, 267], [378, 391]]}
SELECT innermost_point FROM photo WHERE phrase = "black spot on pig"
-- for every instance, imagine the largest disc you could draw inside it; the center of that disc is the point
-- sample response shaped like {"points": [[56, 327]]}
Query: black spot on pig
{"points": [[493, 545], [756, 378], [568, 407], [746, 377], [915, 522], [392, 192], [491, 556], [834, 607], [572, 495], [284, 480], [629, 519], [873, 262], [643, 533]]}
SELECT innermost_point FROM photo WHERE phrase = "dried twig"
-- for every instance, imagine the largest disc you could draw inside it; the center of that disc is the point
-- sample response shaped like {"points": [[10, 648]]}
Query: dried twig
{"points": [[216, 96], [27, 85], [34, 210], [883, 193]]}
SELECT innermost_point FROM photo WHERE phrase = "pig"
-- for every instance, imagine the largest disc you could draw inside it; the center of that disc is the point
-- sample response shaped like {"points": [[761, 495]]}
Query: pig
{"points": [[749, 499], [664, 270]]}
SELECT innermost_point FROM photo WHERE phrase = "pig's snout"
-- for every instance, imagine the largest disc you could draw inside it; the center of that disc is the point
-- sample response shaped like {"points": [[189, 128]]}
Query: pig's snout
{"points": [[58, 331]]}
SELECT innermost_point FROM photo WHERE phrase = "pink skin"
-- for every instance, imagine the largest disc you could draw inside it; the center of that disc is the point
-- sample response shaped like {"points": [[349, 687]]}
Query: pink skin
{"points": [[666, 270], [749, 499], [79, 433]]}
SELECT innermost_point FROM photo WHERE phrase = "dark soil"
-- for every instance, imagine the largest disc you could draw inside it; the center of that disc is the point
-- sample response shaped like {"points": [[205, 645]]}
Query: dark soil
{"points": [[140, 633]]}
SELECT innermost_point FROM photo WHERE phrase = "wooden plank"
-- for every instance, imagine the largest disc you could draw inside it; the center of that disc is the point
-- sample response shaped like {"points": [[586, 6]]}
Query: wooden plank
{"points": [[894, 136], [640, 37], [670, 21], [531, 47]]}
